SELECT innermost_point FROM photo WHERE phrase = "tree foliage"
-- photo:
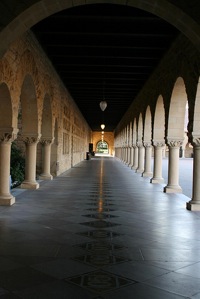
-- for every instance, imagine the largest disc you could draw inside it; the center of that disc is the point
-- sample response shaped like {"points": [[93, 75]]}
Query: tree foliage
{"points": [[17, 164]]}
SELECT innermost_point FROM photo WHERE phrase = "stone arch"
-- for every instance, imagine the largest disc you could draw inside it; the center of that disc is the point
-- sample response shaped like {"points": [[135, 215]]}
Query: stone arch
{"points": [[176, 119], [5, 108], [176, 122], [104, 147], [140, 129], [29, 107], [54, 151], [134, 132], [140, 136], [158, 140], [147, 126], [130, 133], [28, 65], [42, 9], [159, 121], [196, 121]]}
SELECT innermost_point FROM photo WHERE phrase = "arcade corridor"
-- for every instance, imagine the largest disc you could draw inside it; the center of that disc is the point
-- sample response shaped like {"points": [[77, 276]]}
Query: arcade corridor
{"points": [[99, 231]]}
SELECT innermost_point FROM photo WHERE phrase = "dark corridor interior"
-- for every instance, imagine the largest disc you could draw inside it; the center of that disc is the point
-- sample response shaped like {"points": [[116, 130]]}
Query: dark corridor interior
{"points": [[104, 52]]}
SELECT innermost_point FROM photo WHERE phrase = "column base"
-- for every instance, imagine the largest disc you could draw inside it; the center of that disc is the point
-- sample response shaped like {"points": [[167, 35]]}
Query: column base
{"points": [[46, 177], [29, 185], [7, 200], [140, 170], [172, 189], [134, 167], [193, 205], [157, 180], [147, 174]]}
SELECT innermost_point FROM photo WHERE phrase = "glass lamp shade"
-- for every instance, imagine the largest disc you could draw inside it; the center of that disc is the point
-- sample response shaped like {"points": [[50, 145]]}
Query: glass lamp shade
{"points": [[102, 126], [103, 105]]}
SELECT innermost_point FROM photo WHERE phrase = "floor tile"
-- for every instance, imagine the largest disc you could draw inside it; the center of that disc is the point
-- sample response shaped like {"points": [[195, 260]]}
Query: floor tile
{"points": [[90, 234], [177, 283]]}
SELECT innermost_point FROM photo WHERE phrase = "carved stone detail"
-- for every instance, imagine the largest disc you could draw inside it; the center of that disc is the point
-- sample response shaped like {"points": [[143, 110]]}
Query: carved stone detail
{"points": [[196, 141], [46, 141], [7, 137], [140, 144], [174, 143], [159, 143], [31, 139], [147, 144]]}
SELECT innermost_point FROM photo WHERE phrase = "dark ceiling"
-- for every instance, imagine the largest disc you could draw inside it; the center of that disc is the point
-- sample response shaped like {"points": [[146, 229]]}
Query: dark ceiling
{"points": [[104, 51]]}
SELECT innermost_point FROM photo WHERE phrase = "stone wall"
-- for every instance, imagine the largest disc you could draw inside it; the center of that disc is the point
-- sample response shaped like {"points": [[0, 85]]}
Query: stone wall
{"points": [[64, 125]]}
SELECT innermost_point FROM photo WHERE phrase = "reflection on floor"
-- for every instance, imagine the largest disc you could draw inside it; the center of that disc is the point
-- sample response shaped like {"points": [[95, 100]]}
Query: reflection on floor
{"points": [[99, 231]]}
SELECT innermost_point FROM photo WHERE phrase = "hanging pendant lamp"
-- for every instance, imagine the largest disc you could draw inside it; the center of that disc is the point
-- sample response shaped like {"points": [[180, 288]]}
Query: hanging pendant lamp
{"points": [[103, 105]]}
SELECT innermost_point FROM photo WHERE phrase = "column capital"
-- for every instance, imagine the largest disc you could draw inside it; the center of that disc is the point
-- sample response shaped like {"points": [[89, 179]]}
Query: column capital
{"points": [[160, 143], [8, 135], [46, 141], [31, 139], [147, 144], [140, 144], [195, 140], [174, 143]]}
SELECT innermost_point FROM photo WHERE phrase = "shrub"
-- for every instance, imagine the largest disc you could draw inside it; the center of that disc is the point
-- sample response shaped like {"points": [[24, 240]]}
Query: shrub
{"points": [[17, 165]]}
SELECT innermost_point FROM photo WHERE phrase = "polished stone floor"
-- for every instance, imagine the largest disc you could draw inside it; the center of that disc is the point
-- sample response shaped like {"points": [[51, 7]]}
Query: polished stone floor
{"points": [[99, 231]]}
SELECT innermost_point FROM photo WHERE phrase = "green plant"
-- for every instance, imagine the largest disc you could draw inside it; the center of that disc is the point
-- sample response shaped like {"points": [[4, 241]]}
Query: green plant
{"points": [[17, 164]]}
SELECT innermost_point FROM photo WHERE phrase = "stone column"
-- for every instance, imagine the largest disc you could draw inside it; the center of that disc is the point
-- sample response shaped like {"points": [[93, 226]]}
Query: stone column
{"points": [[129, 156], [157, 167], [194, 204], [30, 167], [135, 165], [132, 157], [173, 167], [46, 145], [6, 198], [122, 156], [126, 155], [147, 162], [140, 168]]}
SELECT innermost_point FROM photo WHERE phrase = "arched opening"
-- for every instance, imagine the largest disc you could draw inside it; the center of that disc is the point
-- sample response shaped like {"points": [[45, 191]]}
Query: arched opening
{"points": [[159, 124], [44, 146], [196, 121], [29, 131], [158, 141], [147, 143], [175, 135], [102, 147], [176, 119], [5, 107], [7, 168], [134, 132], [147, 126], [159, 121], [140, 129], [54, 152]]}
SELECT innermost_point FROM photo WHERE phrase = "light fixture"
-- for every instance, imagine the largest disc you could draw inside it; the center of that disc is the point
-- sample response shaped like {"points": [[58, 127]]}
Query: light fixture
{"points": [[103, 105], [102, 126]]}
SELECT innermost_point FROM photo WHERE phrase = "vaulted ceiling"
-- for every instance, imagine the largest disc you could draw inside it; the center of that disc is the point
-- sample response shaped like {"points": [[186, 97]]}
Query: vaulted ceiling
{"points": [[104, 52]]}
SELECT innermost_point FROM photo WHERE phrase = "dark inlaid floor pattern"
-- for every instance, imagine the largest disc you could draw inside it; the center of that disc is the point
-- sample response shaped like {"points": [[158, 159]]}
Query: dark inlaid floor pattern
{"points": [[99, 231], [102, 253]]}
